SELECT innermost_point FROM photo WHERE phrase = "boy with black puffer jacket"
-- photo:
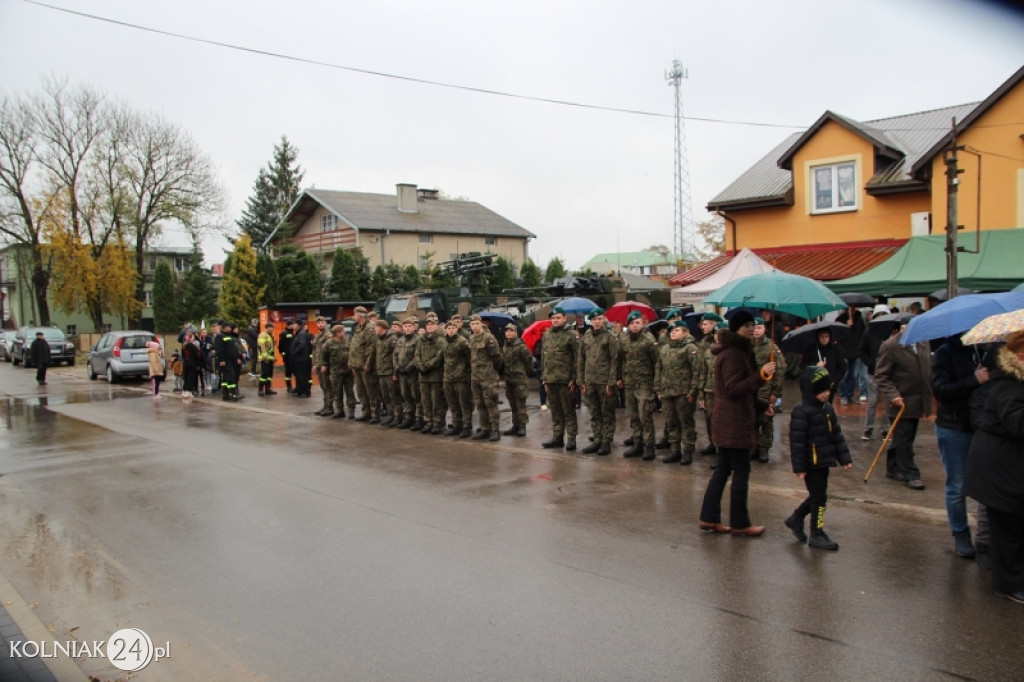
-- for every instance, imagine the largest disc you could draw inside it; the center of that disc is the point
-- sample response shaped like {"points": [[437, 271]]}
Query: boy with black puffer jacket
{"points": [[816, 442]]}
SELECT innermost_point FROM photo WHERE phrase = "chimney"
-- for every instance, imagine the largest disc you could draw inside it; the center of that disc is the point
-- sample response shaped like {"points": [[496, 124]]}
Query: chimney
{"points": [[407, 198], [429, 194]]}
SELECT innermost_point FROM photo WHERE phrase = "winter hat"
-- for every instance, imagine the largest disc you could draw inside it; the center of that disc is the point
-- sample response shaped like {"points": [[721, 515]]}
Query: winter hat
{"points": [[880, 309], [739, 319], [821, 381]]}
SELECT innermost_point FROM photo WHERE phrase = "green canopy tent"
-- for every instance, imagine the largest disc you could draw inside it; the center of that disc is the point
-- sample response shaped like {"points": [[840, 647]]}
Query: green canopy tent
{"points": [[919, 267]]}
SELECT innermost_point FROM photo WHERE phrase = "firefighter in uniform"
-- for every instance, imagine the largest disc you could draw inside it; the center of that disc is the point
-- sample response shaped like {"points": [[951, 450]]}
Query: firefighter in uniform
{"points": [[265, 355]]}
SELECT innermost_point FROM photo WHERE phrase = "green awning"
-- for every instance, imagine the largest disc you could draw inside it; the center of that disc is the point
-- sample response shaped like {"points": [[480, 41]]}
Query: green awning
{"points": [[919, 267]]}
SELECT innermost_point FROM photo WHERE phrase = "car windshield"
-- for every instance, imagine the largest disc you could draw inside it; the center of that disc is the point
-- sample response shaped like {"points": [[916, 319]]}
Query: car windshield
{"points": [[49, 333]]}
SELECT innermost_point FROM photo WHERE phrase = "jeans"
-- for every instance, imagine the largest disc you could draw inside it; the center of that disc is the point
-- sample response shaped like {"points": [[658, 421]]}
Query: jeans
{"points": [[953, 447], [730, 461]]}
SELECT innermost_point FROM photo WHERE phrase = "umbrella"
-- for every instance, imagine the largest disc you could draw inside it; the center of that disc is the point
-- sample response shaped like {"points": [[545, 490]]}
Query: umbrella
{"points": [[959, 314], [656, 326], [777, 290], [693, 321], [943, 294], [576, 305], [995, 328], [755, 312], [882, 325], [532, 334], [621, 310], [497, 320], [858, 300], [802, 337]]}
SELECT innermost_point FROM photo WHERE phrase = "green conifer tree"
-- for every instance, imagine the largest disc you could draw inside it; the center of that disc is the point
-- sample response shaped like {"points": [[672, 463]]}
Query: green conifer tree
{"points": [[241, 290], [200, 298], [344, 282], [166, 317]]}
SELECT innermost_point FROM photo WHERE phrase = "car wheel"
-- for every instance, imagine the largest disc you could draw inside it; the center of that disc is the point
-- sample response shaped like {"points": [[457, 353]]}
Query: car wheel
{"points": [[16, 360], [90, 372], [111, 377]]}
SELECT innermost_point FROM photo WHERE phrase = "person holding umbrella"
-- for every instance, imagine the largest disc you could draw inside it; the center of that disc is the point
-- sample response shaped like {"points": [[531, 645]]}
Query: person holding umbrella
{"points": [[737, 381], [826, 354]]}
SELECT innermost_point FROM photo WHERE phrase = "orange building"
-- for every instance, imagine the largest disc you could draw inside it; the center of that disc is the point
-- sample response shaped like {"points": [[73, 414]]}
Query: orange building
{"points": [[844, 195]]}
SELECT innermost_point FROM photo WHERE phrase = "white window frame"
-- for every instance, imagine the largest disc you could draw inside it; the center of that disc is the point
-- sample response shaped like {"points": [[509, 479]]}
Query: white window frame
{"points": [[71, 331], [490, 241], [426, 238], [328, 222], [842, 179]]}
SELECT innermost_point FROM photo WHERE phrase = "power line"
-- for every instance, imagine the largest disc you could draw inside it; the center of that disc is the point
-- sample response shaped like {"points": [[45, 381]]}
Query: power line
{"points": [[382, 74]]}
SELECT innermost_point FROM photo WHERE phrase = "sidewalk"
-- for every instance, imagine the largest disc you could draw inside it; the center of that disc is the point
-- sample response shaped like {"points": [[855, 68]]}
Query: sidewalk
{"points": [[19, 623]]}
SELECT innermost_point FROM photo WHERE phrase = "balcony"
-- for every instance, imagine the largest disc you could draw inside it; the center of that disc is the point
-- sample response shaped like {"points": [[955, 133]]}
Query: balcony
{"points": [[322, 242]]}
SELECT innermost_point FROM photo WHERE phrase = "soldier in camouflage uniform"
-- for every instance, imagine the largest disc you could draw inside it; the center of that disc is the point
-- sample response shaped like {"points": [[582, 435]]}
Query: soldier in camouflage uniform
{"points": [[336, 359], [599, 371], [430, 363], [320, 367], [485, 361], [456, 381], [408, 375], [559, 349], [675, 380], [639, 353], [671, 317], [706, 378], [384, 364], [372, 381], [358, 350], [517, 364], [764, 352]]}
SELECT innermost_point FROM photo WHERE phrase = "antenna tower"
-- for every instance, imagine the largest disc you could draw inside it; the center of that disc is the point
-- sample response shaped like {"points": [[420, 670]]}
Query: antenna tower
{"points": [[684, 235]]}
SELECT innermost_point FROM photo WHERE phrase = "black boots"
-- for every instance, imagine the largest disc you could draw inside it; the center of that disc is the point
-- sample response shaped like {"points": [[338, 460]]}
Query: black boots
{"points": [[570, 443], [649, 453], [709, 449], [606, 448], [636, 450], [555, 442], [796, 525], [591, 449], [673, 457]]}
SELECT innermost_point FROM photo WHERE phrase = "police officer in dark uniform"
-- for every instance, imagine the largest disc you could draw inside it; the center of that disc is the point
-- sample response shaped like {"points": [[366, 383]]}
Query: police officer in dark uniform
{"points": [[284, 346], [301, 354]]}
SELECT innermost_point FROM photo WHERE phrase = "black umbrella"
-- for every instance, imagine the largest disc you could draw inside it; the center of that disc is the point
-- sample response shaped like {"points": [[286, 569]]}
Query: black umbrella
{"points": [[883, 325], [800, 338], [943, 294], [656, 326], [858, 300]]}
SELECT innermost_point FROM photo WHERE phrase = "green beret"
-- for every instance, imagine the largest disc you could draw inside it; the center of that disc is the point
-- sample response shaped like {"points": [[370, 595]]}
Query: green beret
{"points": [[722, 325], [758, 322], [679, 324], [595, 313], [675, 312], [635, 315], [714, 317], [558, 310]]}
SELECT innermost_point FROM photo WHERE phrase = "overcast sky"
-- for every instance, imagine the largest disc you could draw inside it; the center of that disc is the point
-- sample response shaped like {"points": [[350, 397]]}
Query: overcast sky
{"points": [[584, 180]]}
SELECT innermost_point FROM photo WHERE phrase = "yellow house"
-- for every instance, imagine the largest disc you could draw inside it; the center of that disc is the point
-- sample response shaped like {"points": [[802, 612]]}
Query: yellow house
{"points": [[410, 227], [842, 196]]}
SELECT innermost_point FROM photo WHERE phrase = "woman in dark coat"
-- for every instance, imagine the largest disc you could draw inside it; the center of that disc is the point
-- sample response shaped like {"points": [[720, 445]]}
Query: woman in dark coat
{"points": [[995, 468], [734, 424], [191, 358]]}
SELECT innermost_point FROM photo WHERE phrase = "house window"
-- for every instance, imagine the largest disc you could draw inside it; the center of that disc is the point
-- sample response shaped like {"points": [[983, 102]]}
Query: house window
{"points": [[835, 187], [182, 263], [149, 299], [490, 241], [421, 262], [426, 239], [151, 262], [72, 330], [328, 222]]}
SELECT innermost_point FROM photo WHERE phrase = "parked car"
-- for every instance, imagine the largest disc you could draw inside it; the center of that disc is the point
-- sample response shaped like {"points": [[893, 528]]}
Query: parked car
{"points": [[6, 339], [120, 354], [61, 350]]}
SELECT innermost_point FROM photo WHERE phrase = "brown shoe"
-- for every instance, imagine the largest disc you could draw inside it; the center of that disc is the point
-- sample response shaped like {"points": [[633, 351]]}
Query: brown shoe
{"points": [[749, 531], [706, 527]]}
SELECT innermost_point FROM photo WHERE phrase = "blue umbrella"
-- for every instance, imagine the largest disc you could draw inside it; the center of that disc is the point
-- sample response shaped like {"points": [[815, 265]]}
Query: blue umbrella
{"points": [[577, 305], [959, 314], [496, 319]]}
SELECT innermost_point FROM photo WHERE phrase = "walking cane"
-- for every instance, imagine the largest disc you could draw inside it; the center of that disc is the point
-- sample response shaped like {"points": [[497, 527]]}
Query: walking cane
{"points": [[886, 441]]}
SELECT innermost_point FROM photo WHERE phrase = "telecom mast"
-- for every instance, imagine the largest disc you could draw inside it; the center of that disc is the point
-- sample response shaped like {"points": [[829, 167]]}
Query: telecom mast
{"points": [[685, 234]]}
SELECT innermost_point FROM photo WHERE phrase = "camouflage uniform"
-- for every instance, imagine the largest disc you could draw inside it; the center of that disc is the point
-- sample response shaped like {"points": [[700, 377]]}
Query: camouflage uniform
{"points": [[675, 380], [456, 385], [322, 376], [639, 357], [336, 358], [558, 360], [385, 361], [358, 350], [706, 384], [517, 363], [485, 360], [430, 363], [765, 428], [598, 368], [408, 379]]}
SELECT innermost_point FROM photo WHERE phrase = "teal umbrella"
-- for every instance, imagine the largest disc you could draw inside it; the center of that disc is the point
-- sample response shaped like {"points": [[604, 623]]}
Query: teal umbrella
{"points": [[777, 290]]}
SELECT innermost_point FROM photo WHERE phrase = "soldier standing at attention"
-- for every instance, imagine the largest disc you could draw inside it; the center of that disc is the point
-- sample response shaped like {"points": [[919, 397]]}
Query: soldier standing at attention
{"points": [[599, 370], [558, 363], [408, 375], [320, 367], [675, 380], [671, 317], [766, 351], [385, 365], [265, 349], [639, 359], [485, 361], [336, 358], [517, 363], [358, 350], [430, 363], [456, 381], [370, 371], [706, 380]]}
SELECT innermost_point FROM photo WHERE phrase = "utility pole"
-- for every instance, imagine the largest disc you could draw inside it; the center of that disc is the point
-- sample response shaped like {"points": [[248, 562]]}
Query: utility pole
{"points": [[952, 182], [684, 234]]}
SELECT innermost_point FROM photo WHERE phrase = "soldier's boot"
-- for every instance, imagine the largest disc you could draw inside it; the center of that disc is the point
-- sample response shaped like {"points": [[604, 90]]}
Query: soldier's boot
{"points": [[675, 456], [436, 431], [495, 435], [592, 448], [481, 435], [521, 431], [351, 414], [629, 441], [466, 432], [363, 418], [405, 423], [451, 431], [570, 443], [510, 431], [605, 449], [663, 444], [417, 425], [339, 414], [649, 453], [636, 450], [687, 457], [427, 427], [762, 455], [375, 420], [555, 442]]}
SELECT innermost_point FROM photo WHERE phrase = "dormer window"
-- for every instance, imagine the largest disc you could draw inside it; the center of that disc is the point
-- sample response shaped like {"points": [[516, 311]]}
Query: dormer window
{"points": [[328, 222], [834, 187]]}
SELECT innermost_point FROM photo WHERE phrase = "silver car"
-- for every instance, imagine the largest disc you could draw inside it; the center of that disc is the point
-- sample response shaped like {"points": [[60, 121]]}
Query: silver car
{"points": [[119, 355], [6, 339]]}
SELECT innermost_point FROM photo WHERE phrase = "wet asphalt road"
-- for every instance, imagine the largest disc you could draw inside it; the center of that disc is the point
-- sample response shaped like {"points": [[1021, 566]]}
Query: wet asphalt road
{"points": [[266, 543]]}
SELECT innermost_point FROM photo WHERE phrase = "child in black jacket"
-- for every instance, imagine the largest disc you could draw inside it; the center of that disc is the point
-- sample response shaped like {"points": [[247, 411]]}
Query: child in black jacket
{"points": [[816, 443]]}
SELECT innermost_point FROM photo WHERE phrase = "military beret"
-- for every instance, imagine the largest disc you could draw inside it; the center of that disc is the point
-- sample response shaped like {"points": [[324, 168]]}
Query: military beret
{"points": [[558, 310], [758, 322], [337, 328], [475, 318], [596, 312], [635, 315], [383, 324], [396, 322], [321, 318], [679, 324], [674, 312], [511, 328], [714, 317], [359, 310], [722, 325]]}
